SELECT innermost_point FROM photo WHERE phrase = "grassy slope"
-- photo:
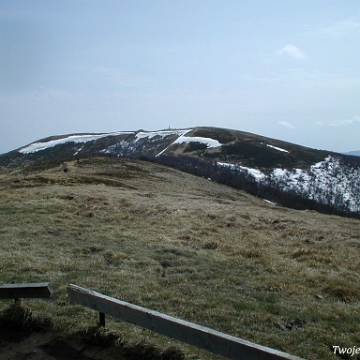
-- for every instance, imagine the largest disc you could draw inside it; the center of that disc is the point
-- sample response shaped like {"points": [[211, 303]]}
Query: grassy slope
{"points": [[184, 246]]}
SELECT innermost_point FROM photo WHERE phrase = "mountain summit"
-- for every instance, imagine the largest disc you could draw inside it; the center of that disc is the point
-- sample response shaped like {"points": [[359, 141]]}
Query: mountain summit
{"points": [[279, 171]]}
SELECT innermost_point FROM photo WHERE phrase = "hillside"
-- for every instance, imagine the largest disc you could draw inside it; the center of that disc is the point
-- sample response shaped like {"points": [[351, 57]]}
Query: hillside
{"points": [[226, 145], [182, 245], [286, 174]]}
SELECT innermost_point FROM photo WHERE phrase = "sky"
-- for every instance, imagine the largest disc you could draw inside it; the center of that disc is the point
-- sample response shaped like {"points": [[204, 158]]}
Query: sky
{"points": [[287, 70]]}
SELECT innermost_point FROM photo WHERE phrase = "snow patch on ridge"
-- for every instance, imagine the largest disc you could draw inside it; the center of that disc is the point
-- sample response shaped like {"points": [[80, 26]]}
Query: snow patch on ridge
{"points": [[277, 148], [211, 143], [257, 174], [162, 133], [39, 146]]}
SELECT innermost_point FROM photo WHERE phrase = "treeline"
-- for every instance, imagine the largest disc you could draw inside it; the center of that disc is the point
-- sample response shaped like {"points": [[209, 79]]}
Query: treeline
{"points": [[242, 180]]}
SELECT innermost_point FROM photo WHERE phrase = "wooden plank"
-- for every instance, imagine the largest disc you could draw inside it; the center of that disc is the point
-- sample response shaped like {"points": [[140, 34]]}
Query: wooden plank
{"points": [[199, 336], [21, 291]]}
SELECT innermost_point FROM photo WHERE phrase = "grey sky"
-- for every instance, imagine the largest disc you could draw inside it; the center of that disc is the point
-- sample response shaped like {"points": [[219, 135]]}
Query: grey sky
{"points": [[288, 70]]}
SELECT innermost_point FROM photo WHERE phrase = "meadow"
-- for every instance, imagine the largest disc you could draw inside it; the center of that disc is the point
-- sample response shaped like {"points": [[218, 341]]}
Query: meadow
{"points": [[181, 245]]}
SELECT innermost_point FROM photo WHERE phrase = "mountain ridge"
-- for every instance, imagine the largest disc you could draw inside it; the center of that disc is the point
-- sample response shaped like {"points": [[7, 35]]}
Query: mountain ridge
{"points": [[353, 153], [114, 143], [273, 166]]}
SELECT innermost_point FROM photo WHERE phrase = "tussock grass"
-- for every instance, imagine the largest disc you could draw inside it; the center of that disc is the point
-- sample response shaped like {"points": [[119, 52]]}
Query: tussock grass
{"points": [[184, 246], [16, 321]]}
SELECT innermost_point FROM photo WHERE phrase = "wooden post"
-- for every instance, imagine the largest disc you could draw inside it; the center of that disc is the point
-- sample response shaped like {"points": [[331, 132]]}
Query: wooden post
{"points": [[102, 319], [199, 336]]}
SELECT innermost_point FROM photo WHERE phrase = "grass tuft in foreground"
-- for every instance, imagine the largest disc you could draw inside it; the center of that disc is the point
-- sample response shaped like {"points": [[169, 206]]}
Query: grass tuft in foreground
{"points": [[17, 320]]}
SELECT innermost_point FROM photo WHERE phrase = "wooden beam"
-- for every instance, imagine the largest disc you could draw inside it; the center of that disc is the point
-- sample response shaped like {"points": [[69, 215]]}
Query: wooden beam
{"points": [[20, 291], [199, 336]]}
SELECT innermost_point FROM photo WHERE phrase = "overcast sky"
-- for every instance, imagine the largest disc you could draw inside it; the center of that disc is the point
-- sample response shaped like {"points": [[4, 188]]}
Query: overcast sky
{"points": [[289, 70]]}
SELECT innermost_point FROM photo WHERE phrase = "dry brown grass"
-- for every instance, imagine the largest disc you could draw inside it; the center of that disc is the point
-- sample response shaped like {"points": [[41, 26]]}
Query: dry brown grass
{"points": [[184, 246]]}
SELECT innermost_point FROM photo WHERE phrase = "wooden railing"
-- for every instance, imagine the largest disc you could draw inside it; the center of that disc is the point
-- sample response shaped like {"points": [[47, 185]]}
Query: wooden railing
{"points": [[20, 291], [199, 336]]}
